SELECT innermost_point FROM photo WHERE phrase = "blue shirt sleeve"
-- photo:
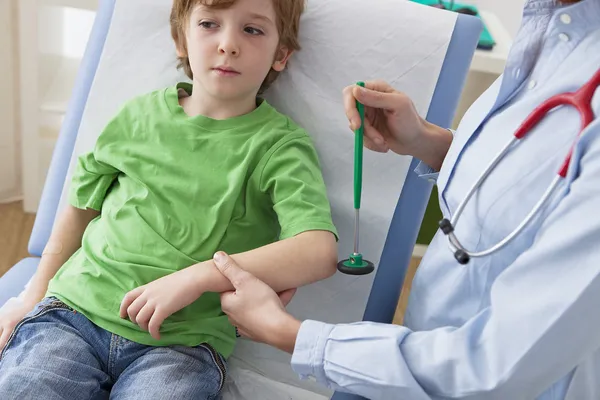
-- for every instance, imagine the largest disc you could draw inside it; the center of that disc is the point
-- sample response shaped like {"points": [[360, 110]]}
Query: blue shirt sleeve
{"points": [[542, 320]]}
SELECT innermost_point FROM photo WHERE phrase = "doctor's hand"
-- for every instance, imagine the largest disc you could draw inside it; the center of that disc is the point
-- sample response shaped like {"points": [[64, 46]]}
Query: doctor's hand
{"points": [[149, 305], [255, 309], [393, 123]]}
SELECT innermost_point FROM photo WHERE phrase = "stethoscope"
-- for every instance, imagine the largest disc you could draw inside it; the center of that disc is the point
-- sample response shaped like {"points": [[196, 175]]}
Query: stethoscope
{"points": [[582, 101]]}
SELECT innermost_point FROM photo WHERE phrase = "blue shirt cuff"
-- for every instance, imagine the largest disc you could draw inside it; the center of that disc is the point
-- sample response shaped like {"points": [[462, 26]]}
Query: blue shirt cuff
{"points": [[309, 352], [426, 172]]}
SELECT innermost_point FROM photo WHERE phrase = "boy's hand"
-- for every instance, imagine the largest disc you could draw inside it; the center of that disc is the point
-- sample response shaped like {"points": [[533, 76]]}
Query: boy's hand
{"points": [[151, 304], [9, 319]]}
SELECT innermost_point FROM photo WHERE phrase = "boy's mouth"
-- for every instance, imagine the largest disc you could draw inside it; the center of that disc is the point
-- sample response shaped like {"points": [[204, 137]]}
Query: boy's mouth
{"points": [[225, 71]]}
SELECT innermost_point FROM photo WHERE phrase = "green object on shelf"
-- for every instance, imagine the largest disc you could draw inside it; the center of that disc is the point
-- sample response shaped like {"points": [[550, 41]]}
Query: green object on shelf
{"points": [[486, 41]]}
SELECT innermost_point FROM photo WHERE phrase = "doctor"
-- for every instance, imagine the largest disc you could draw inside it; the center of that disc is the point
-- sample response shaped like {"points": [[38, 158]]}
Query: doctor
{"points": [[520, 323]]}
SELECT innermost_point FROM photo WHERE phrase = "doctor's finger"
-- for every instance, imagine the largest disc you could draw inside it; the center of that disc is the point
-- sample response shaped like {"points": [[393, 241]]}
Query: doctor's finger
{"points": [[373, 140], [229, 268], [350, 108], [379, 85], [228, 302], [286, 296], [369, 144], [386, 100], [243, 333]]}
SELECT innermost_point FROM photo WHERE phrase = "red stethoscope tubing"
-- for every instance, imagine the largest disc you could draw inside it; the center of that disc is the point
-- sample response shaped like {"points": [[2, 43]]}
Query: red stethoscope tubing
{"points": [[581, 100]]}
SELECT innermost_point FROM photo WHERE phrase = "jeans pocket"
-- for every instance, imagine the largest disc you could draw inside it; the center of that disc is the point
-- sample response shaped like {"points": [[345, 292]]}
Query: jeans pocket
{"points": [[45, 306], [219, 362]]}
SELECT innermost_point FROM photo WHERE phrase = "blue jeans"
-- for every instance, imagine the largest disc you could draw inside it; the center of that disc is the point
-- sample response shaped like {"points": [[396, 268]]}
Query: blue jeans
{"points": [[57, 353]]}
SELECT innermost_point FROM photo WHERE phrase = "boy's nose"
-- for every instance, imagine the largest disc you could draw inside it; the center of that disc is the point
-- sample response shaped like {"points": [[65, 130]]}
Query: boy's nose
{"points": [[229, 46], [228, 50]]}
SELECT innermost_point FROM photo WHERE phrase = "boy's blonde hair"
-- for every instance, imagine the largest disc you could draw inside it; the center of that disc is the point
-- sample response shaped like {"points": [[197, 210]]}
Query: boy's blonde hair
{"points": [[288, 14]]}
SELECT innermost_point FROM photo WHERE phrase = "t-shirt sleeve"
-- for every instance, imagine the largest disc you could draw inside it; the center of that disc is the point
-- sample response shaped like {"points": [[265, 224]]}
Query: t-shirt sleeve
{"points": [[293, 179], [96, 170]]}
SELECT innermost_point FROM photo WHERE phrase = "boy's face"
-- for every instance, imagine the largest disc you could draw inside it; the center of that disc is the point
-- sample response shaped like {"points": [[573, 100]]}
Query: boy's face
{"points": [[232, 50]]}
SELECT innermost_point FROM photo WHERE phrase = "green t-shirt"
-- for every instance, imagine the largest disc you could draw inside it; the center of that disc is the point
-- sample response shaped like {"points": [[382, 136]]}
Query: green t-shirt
{"points": [[173, 190]]}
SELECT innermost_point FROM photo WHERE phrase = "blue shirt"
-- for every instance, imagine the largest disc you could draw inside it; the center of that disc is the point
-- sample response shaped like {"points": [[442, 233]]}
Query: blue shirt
{"points": [[523, 323]]}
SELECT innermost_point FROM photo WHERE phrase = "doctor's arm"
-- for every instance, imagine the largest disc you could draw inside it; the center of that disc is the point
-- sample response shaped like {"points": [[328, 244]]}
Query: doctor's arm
{"points": [[542, 321]]}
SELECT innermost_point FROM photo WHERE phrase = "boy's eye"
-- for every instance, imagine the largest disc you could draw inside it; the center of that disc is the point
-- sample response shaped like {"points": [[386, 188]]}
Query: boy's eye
{"points": [[207, 24], [253, 31]]}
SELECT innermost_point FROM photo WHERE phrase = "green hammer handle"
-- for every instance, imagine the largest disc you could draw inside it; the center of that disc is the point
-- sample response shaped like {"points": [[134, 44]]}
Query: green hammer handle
{"points": [[358, 153]]}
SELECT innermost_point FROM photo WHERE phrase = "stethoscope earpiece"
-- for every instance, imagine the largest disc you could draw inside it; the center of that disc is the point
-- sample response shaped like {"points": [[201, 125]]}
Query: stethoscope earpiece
{"points": [[446, 226], [462, 257]]}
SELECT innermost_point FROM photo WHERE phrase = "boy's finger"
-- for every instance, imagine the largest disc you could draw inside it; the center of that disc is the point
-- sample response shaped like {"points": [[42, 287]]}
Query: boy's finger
{"points": [[135, 307], [127, 300], [231, 270], [143, 317], [155, 323], [4, 334]]}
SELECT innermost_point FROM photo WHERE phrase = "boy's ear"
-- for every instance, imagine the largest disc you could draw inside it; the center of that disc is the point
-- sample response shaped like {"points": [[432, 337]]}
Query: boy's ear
{"points": [[180, 44], [181, 52], [281, 59]]}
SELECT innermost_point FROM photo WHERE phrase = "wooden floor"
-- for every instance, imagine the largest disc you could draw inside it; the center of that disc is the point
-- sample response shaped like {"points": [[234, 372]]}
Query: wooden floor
{"points": [[15, 229]]}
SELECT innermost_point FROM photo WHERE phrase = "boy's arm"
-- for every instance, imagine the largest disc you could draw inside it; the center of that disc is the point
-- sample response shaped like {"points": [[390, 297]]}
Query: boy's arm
{"points": [[290, 263], [300, 260], [63, 243], [307, 249], [89, 185]]}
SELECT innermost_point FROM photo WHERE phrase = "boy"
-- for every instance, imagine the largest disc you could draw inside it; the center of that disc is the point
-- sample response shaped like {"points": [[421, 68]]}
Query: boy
{"points": [[177, 175]]}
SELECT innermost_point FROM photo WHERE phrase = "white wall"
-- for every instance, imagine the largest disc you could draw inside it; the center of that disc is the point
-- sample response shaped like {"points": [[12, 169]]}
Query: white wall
{"points": [[10, 178], [509, 11]]}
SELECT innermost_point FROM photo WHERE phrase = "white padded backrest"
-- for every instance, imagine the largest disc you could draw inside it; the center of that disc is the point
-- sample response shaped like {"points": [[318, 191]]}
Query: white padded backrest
{"points": [[343, 41]]}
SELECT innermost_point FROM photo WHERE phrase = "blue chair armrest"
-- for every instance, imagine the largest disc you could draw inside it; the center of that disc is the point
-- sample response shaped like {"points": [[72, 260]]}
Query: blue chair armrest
{"points": [[13, 282]]}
